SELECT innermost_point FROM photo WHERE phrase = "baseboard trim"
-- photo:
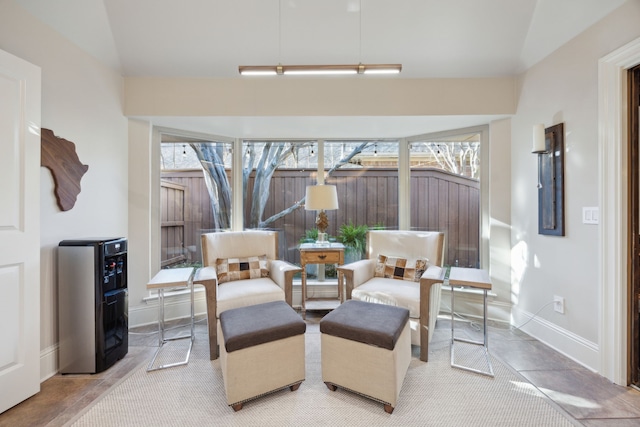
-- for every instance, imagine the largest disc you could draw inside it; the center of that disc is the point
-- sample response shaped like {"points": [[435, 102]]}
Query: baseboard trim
{"points": [[48, 362], [469, 304], [575, 347], [176, 306], [314, 290]]}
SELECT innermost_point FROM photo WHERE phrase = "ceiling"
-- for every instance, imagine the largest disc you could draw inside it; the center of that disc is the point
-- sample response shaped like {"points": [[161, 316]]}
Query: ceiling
{"points": [[211, 38]]}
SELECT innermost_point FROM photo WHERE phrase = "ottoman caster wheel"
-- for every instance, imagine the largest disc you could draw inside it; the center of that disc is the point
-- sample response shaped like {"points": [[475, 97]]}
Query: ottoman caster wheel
{"points": [[331, 387], [237, 407], [388, 409], [295, 387]]}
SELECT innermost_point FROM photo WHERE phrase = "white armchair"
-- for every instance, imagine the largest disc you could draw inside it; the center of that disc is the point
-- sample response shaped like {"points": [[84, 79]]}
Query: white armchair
{"points": [[421, 297], [233, 278]]}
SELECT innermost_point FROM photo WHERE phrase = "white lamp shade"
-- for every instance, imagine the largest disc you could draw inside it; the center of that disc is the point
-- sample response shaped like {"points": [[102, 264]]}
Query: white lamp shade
{"points": [[539, 145], [321, 197]]}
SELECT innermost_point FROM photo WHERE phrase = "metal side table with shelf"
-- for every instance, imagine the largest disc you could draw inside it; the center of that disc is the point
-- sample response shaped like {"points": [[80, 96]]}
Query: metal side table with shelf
{"points": [[474, 278], [168, 279]]}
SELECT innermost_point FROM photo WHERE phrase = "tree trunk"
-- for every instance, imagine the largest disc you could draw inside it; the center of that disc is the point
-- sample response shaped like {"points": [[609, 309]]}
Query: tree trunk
{"points": [[273, 155], [210, 156]]}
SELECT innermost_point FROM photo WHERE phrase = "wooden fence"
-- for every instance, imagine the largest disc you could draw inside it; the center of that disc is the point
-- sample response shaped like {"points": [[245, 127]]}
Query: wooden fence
{"points": [[439, 201], [172, 223], [181, 237]]}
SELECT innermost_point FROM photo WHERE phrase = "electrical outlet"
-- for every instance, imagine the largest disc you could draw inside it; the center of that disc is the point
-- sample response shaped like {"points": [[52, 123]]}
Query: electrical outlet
{"points": [[558, 304]]}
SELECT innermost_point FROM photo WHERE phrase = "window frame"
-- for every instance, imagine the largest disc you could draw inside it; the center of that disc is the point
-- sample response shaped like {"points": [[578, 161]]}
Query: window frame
{"points": [[404, 176]]}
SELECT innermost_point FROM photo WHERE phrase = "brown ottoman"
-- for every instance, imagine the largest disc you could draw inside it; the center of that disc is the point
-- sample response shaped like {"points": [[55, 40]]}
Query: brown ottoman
{"points": [[366, 348], [263, 351]]}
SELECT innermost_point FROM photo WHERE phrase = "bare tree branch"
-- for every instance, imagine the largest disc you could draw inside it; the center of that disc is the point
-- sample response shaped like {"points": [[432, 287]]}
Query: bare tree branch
{"points": [[345, 160]]}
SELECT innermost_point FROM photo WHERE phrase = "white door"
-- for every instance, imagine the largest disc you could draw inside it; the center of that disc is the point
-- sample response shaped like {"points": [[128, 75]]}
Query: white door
{"points": [[19, 230]]}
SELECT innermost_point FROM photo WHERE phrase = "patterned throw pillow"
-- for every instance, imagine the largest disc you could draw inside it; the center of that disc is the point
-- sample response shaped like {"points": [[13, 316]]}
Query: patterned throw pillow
{"points": [[399, 268], [230, 269]]}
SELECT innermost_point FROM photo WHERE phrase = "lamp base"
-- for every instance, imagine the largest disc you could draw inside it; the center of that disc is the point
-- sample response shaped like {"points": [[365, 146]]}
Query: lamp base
{"points": [[322, 239]]}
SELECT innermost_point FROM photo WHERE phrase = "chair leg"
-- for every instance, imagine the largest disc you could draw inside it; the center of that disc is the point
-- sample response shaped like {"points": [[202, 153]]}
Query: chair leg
{"points": [[425, 305], [424, 343], [212, 319], [213, 340]]}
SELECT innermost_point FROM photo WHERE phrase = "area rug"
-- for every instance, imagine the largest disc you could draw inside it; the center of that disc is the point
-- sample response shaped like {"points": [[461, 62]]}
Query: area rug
{"points": [[433, 394]]}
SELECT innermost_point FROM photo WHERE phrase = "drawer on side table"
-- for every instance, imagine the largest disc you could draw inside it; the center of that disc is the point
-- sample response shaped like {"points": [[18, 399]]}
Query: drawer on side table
{"points": [[318, 257]]}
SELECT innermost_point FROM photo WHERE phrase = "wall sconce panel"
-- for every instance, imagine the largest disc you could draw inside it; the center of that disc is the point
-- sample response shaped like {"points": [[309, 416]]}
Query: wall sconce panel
{"points": [[551, 188]]}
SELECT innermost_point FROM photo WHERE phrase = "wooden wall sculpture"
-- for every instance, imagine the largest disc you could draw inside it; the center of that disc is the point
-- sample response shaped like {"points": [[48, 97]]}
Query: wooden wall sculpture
{"points": [[60, 157]]}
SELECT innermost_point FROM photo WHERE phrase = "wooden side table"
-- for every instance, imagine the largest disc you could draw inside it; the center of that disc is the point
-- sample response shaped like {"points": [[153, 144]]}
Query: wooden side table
{"points": [[311, 253]]}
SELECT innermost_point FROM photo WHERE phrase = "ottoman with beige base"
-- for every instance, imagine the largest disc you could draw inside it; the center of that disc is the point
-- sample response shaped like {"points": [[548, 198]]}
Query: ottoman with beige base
{"points": [[366, 348], [262, 351]]}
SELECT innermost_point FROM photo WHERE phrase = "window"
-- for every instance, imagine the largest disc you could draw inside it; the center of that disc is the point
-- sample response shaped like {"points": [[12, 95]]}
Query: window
{"points": [[366, 174], [445, 192], [195, 195], [276, 174], [442, 170]]}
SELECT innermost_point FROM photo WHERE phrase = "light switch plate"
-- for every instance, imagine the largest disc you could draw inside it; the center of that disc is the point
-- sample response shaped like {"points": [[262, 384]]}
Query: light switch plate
{"points": [[591, 215]]}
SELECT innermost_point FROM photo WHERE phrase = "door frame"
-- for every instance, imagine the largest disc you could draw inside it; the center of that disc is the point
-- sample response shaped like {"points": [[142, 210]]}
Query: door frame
{"points": [[634, 225], [613, 193]]}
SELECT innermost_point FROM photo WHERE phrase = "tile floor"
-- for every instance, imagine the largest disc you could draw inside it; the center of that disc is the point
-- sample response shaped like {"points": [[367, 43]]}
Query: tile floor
{"points": [[588, 398]]}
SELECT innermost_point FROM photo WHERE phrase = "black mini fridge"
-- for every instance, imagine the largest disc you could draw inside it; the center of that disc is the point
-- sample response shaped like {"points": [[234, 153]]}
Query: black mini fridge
{"points": [[93, 325]]}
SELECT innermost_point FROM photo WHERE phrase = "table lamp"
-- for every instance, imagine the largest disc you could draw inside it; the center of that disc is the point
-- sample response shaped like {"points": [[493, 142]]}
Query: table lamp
{"points": [[321, 198]]}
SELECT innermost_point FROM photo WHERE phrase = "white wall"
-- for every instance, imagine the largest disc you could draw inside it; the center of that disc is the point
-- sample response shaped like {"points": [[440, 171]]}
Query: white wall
{"points": [[499, 219], [319, 97], [82, 102], [140, 234], [563, 88]]}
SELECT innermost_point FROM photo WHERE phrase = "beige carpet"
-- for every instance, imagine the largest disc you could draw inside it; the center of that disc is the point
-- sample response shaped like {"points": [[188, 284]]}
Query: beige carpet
{"points": [[433, 394]]}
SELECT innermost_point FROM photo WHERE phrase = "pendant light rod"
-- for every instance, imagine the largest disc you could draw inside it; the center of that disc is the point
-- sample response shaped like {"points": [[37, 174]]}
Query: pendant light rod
{"points": [[273, 70], [284, 70]]}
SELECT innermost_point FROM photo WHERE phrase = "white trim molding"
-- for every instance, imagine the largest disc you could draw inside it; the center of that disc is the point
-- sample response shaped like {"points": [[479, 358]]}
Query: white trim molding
{"points": [[177, 305], [561, 340], [612, 175], [48, 362]]}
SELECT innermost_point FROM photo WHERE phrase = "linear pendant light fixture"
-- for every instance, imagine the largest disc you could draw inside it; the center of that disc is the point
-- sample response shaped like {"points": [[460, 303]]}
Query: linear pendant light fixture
{"points": [[289, 70]]}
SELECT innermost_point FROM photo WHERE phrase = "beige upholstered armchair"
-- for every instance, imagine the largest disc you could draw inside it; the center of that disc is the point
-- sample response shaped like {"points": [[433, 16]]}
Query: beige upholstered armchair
{"points": [[241, 269], [386, 278]]}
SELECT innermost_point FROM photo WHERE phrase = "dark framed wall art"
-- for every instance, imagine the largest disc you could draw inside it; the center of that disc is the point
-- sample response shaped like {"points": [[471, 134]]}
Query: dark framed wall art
{"points": [[551, 185]]}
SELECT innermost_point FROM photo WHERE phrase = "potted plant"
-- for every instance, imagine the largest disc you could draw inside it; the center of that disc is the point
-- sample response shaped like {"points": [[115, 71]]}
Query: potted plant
{"points": [[354, 238], [310, 236]]}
